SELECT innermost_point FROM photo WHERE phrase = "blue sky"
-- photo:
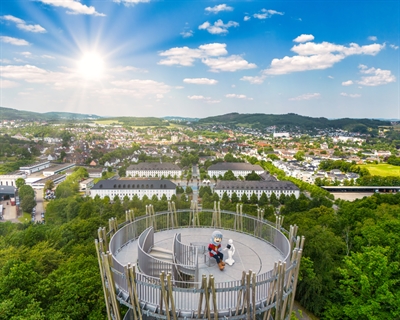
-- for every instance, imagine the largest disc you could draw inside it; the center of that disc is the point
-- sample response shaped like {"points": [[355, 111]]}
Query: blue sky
{"points": [[192, 58]]}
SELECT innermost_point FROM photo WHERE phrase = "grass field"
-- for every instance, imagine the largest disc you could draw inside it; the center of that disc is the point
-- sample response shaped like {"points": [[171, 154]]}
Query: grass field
{"points": [[382, 169], [107, 122]]}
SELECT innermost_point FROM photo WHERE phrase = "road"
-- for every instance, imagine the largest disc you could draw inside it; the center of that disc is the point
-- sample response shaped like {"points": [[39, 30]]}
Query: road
{"points": [[39, 204]]}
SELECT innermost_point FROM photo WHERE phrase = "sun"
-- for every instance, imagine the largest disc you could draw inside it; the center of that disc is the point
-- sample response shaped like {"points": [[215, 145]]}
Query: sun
{"points": [[91, 66]]}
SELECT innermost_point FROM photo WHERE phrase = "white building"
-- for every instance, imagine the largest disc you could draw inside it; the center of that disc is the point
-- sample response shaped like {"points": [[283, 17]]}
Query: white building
{"points": [[257, 187], [153, 169], [281, 135], [57, 169], [122, 188], [237, 168], [86, 184], [36, 167], [9, 179]]}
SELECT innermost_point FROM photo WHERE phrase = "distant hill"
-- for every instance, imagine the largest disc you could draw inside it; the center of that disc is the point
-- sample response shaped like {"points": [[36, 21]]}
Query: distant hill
{"points": [[141, 121], [14, 114], [292, 120], [181, 119]]}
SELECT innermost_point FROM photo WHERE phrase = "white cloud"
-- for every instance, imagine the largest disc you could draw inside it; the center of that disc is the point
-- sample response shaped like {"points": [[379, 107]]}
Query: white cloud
{"points": [[29, 73], [8, 84], [307, 96], [231, 64], [26, 53], [198, 97], [185, 56], [372, 38], [375, 77], [187, 34], [254, 80], [203, 98], [200, 81], [21, 24], [131, 2], [246, 18], [318, 56], [347, 83], [393, 46], [350, 95], [237, 96], [219, 8], [264, 14], [14, 41], [47, 56], [312, 48], [74, 7], [139, 88], [128, 68], [330, 77], [219, 27], [304, 38], [302, 63]]}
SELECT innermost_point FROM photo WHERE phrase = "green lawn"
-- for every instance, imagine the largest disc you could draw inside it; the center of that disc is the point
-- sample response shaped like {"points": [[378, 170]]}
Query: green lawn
{"points": [[382, 169], [26, 217]]}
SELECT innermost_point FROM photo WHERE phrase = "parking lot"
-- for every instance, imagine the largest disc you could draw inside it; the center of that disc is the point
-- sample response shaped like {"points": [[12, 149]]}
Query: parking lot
{"points": [[9, 211]]}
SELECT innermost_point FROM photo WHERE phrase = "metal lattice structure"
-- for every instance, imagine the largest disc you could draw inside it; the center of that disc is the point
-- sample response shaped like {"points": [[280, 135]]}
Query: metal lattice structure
{"points": [[172, 288]]}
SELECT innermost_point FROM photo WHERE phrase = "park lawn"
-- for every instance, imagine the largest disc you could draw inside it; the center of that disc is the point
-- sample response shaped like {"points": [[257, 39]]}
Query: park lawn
{"points": [[382, 169]]}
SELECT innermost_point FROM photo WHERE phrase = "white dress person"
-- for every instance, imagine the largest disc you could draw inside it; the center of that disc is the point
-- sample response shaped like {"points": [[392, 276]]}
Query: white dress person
{"points": [[231, 251]]}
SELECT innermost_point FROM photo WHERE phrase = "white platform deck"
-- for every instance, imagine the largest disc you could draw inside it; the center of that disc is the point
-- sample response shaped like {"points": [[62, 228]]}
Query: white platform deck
{"points": [[251, 253]]}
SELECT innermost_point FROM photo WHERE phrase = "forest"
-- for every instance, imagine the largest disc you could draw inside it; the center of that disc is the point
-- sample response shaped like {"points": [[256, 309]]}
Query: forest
{"points": [[349, 270]]}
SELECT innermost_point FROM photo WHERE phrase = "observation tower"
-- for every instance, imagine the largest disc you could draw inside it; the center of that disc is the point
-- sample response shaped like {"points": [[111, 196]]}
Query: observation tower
{"points": [[159, 267]]}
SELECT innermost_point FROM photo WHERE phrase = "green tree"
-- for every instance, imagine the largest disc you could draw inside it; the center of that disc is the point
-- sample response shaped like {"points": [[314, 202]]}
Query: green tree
{"points": [[253, 176], [244, 198], [229, 176], [24, 191], [253, 199], [368, 287], [49, 185], [19, 182], [28, 203], [235, 198]]}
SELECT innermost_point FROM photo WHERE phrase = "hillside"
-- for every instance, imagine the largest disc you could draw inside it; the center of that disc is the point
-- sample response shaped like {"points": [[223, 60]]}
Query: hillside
{"points": [[292, 120], [14, 114]]}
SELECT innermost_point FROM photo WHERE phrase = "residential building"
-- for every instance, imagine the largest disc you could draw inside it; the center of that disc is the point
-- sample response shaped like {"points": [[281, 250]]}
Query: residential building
{"points": [[257, 187], [237, 168], [153, 169], [122, 188]]}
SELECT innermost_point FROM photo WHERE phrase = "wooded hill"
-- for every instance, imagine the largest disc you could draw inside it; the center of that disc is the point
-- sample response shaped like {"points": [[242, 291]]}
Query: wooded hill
{"points": [[292, 120], [14, 114]]}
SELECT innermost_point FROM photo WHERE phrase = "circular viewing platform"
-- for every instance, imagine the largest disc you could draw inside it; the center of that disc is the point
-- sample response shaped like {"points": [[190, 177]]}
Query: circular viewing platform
{"points": [[250, 253], [159, 266]]}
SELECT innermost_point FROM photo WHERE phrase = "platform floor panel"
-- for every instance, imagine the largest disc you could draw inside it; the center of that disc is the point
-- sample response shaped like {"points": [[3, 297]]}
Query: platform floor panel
{"points": [[251, 253]]}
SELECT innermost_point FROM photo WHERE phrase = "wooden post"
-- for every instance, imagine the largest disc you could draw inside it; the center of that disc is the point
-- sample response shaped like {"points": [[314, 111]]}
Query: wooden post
{"points": [[289, 282], [214, 297], [132, 272], [130, 285], [296, 277], [204, 288], [207, 298], [171, 295], [253, 292], [107, 260], [271, 292], [248, 301], [103, 281], [243, 284], [164, 295]]}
